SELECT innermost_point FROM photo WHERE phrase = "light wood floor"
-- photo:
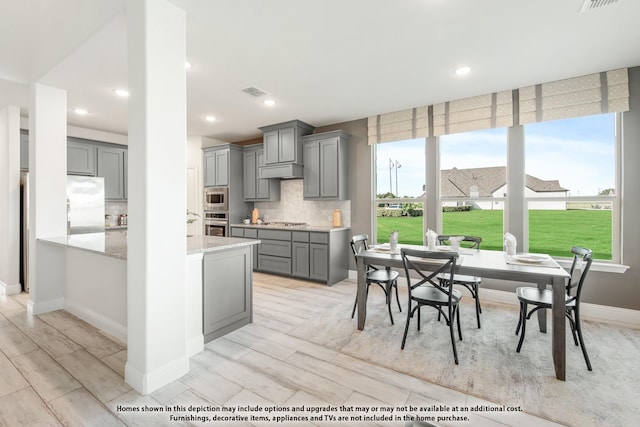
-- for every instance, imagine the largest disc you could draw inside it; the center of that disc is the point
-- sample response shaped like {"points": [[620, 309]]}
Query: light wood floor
{"points": [[57, 370]]}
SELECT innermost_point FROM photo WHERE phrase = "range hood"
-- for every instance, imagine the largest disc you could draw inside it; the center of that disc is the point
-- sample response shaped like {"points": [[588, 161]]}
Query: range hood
{"points": [[281, 170]]}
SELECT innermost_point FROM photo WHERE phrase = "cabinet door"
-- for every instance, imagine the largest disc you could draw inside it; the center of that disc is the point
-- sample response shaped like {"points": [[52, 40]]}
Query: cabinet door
{"points": [[287, 145], [111, 168], [311, 185], [226, 291], [271, 147], [300, 259], [209, 169], [329, 176], [250, 175], [222, 167], [263, 186], [24, 151], [318, 261], [81, 158]]}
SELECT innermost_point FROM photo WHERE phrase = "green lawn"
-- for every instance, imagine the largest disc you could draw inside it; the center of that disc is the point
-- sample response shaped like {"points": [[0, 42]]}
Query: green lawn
{"points": [[551, 232]]}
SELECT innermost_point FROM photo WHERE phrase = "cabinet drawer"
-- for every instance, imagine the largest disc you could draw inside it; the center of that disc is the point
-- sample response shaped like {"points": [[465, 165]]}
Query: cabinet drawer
{"points": [[275, 247], [274, 264], [319, 238], [274, 234], [250, 233], [300, 236], [237, 232]]}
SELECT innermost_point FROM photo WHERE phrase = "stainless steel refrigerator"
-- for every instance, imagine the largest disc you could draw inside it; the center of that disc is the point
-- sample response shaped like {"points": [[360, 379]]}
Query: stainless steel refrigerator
{"points": [[85, 204]]}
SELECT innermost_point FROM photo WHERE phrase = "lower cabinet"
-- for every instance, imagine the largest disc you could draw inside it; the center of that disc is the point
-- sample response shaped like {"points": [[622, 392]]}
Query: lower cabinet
{"points": [[226, 293], [313, 255]]}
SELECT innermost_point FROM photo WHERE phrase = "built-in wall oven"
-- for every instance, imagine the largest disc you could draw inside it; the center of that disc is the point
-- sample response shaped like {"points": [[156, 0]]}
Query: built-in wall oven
{"points": [[216, 199], [216, 224]]}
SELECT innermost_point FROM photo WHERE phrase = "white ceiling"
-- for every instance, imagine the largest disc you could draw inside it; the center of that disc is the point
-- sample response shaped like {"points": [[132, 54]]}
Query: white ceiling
{"points": [[324, 62]]}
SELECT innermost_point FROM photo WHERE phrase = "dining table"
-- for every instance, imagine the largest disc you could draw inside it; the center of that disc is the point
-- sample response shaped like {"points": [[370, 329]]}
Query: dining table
{"points": [[486, 264]]}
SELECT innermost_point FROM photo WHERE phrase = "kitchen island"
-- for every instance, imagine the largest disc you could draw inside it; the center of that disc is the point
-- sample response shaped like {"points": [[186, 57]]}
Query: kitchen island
{"points": [[92, 268]]}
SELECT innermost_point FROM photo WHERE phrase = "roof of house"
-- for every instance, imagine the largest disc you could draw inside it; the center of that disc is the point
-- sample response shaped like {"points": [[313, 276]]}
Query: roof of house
{"points": [[461, 182]]}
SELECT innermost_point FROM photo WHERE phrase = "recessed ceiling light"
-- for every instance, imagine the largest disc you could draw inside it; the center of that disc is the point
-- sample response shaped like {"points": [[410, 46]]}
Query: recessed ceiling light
{"points": [[187, 65], [269, 102], [210, 119], [80, 111], [121, 92], [462, 70]]}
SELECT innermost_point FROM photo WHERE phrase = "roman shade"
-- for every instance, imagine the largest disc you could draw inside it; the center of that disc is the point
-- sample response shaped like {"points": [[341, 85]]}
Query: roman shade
{"points": [[606, 92], [476, 113], [599, 93], [398, 126]]}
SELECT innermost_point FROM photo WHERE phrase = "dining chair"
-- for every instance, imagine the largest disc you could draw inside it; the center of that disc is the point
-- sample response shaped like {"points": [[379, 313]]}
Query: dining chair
{"points": [[472, 283], [425, 288], [386, 279], [543, 299]]}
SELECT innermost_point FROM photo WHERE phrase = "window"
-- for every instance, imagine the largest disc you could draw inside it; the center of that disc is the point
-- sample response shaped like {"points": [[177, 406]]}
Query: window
{"points": [[571, 195], [399, 189], [473, 179], [571, 189]]}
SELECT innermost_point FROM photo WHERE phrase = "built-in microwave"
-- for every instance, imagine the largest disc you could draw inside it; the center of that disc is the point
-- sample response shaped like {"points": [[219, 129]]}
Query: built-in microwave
{"points": [[215, 199]]}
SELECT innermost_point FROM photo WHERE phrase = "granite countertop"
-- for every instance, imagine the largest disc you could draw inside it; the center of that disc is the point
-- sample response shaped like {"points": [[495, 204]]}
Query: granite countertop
{"points": [[319, 228], [114, 244]]}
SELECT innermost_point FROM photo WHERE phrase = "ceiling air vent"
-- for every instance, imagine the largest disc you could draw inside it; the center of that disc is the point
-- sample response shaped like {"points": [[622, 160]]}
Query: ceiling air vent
{"points": [[590, 5], [254, 91]]}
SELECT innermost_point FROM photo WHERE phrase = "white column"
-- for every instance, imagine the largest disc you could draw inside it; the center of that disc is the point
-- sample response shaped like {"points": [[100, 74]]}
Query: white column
{"points": [[156, 261], [432, 209], [47, 191], [10, 200], [516, 218]]}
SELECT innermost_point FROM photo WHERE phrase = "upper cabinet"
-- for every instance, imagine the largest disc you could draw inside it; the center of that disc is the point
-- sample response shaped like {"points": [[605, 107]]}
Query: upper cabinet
{"points": [[325, 166], [93, 158], [111, 166], [216, 166], [81, 158], [254, 188], [283, 149]]}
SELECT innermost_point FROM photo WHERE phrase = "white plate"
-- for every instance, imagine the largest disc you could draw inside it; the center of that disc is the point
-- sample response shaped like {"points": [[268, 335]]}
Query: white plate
{"points": [[443, 248], [382, 248], [531, 258]]}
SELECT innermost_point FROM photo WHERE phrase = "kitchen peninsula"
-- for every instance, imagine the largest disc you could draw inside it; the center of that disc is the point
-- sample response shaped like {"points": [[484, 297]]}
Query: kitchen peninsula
{"points": [[218, 282]]}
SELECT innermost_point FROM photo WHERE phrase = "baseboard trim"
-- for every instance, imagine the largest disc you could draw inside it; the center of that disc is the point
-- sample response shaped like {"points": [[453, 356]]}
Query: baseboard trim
{"points": [[117, 330], [146, 383], [589, 311], [40, 307], [10, 289]]}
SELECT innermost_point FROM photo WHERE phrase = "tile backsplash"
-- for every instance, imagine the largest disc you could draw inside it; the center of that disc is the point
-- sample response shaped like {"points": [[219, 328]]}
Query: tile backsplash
{"points": [[293, 207], [114, 209]]}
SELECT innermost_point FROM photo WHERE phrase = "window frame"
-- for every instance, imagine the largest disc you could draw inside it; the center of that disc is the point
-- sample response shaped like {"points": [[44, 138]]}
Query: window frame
{"points": [[516, 218]]}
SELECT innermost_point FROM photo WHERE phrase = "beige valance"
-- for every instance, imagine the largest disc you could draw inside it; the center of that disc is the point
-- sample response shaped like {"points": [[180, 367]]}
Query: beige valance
{"points": [[477, 113], [606, 92], [398, 126]]}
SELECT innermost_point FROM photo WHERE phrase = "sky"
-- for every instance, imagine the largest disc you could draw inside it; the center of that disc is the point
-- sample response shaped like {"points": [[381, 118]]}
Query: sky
{"points": [[579, 153]]}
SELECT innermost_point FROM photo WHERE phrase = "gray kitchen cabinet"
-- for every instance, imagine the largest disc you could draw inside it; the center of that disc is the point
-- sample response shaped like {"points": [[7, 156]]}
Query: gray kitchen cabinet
{"points": [[226, 293], [325, 166], [216, 167], [282, 142], [81, 158], [274, 251], [111, 166], [247, 233], [255, 188], [24, 150], [300, 254], [315, 255]]}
